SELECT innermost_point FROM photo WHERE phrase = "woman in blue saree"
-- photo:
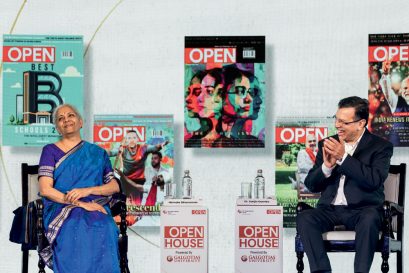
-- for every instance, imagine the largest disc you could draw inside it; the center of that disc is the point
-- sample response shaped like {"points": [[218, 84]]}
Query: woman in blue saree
{"points": [[76, 182]]}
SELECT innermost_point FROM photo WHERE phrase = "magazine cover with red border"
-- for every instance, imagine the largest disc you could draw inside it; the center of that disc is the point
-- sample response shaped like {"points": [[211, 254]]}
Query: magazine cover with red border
{"points": [[388, 90], [224, 92], [141, 152], [40, 72], [296, 148]]}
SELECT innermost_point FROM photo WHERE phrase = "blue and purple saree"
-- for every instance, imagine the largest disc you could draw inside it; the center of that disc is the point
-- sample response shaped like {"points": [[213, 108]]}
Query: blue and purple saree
{"points": [[80, 240]]}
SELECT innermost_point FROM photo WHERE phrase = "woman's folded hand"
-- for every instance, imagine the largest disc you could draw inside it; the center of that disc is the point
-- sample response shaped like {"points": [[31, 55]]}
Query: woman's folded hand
{"points": [[91, 207], [75, 194]]}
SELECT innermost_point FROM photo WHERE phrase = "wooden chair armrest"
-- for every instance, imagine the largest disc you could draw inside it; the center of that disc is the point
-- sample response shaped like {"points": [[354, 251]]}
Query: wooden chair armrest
{"points": [[301, 206], [118, 205], [394, 208], [42, 240]]}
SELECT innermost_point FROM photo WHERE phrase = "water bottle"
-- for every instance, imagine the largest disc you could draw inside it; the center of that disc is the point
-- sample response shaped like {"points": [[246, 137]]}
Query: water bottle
{"points": [[259, 185], [187, 186]]}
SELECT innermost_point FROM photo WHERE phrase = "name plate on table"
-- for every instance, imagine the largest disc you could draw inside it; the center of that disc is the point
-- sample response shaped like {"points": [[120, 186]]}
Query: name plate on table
{"points": [[183, 202], [256, 202], [258, 236], [184, 236]]}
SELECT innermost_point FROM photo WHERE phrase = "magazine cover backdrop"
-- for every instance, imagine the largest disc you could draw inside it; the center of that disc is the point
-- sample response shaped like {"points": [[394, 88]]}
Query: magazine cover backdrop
{"points": [[296, 148], [132, 143], [388, 91], [224, 91], [39, 73]]}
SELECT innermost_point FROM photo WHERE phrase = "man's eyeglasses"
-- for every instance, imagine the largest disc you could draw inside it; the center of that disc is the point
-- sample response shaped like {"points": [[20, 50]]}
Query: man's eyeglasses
{"points": [[344, 123], [242, 91]]}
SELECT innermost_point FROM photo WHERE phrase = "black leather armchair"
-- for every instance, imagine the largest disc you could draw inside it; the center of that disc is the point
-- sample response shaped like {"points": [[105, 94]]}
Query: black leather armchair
{"points": [[391, 235], [30, 194]]}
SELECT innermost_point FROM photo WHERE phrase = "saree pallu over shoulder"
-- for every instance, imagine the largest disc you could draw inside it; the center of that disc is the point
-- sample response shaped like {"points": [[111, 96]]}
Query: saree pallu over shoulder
{"points": [[79, 238], [84, 166]]}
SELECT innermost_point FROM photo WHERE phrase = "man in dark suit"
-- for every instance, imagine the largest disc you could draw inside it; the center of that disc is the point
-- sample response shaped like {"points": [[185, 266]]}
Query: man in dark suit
{"points": [[349, 171]]}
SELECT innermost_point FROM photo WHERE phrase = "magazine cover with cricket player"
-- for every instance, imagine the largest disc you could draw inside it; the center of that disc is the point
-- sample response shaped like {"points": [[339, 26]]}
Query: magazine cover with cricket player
{"points": [[141, 149]]}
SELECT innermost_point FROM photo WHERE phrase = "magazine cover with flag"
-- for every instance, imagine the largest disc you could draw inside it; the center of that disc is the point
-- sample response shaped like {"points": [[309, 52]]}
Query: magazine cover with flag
{"points": [[296, 148], [224, 92], [141, 152], [388, 90], [39, 73]]}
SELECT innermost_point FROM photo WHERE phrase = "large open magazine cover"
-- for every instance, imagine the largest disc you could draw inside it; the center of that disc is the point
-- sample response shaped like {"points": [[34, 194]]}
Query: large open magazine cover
{"points": [[296, 148], [141, 152], [388, 91], [224, 92], [39, 73]]}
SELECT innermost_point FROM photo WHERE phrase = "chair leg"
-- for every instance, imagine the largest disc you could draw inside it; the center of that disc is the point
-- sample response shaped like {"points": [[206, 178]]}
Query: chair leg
{"points": [[399, 262], [125, 269], [123, 241], [123, 262], [300, 263], [41, 239], [41, 265], [385, 264], [24, 265]]}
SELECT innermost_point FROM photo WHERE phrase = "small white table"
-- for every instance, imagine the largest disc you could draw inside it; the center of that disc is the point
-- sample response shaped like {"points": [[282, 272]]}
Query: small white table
{"points": [[258, 236], [184, 236]]}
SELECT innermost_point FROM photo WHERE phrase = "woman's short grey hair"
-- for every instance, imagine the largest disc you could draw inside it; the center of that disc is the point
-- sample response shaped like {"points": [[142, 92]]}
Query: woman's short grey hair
{"points": [[55, 112]]}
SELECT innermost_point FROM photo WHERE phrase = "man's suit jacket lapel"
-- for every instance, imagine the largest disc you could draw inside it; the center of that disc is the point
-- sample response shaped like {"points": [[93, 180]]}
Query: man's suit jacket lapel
{"points": [[363, 143], [362, 146]]}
